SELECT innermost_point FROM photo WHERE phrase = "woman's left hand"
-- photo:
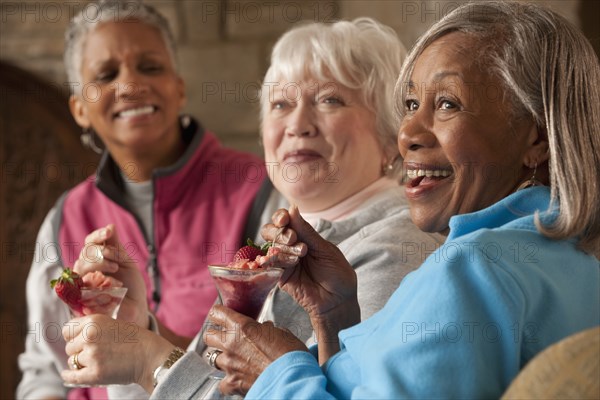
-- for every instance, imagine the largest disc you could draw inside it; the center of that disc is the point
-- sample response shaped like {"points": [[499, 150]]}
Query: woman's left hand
{"points": [[104, 252], [248, 347], [112, 351]]}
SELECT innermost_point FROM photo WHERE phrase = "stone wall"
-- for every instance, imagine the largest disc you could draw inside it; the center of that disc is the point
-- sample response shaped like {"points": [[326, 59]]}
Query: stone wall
{"points": [[224, 45]]}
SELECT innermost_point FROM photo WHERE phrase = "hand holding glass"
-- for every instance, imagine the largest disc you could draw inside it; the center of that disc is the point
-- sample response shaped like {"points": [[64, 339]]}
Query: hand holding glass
{"points": [[105, 301]]}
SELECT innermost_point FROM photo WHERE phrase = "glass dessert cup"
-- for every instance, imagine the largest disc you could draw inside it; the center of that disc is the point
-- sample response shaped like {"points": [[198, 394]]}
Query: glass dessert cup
{"points": [[105, 301], [244, 291]]}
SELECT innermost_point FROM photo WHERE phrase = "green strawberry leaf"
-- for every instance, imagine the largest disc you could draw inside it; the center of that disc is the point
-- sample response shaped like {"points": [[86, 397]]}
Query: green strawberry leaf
{"points": [[265, 247]]}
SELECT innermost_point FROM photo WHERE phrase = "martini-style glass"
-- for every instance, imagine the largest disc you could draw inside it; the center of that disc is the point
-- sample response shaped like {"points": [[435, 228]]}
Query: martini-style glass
{"points": [[105, 301], [243, 290]]}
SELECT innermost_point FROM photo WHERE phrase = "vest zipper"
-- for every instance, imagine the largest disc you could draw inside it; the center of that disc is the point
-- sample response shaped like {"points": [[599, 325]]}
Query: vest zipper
{"points": [[152, 267], [154, 274]]}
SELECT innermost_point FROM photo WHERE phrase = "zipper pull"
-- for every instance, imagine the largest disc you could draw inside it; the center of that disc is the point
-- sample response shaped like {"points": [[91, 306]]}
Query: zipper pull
{"points": [[152, 269]]}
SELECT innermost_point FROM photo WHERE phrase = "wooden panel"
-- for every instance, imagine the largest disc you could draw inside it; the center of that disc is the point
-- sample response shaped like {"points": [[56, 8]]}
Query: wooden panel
{"points": [[40, 158]]}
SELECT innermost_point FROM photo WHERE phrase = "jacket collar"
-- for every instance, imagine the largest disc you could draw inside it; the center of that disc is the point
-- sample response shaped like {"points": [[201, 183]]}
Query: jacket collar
{"points": [[519, 206], [110, 181]]}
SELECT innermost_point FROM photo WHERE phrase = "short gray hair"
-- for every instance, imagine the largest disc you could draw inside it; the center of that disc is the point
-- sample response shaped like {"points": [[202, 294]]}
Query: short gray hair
{"points": [[361, 54], [551, 72], [94, 14]]}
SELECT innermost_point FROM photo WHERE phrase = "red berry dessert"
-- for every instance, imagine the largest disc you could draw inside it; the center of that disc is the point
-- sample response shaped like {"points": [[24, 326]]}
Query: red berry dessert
{"points": [[94, 293], [244, 284]]}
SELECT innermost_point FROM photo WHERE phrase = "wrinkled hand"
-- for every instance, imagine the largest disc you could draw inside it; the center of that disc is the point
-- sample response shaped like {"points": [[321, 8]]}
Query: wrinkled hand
{"points": [[248, 347], [321, 279], [105, 253], [322, 282], [112, 351]]}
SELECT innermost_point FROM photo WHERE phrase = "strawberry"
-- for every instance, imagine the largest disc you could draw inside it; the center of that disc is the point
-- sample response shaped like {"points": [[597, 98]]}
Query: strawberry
{"points": [[251, 251], [68, 288]]}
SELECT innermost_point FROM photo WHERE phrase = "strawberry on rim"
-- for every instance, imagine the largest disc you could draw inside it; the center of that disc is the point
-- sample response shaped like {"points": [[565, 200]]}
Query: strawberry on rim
{"points": [[251, 251], [68, 288], [94, 293], [252, 256]]}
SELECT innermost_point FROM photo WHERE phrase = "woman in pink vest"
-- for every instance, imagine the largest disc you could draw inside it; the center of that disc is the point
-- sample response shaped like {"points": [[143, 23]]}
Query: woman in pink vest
{"points": [[162, 178]]}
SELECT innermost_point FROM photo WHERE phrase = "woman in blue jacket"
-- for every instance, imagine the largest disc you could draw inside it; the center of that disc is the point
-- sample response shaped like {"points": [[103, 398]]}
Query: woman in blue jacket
{"points": [[500, 139]]}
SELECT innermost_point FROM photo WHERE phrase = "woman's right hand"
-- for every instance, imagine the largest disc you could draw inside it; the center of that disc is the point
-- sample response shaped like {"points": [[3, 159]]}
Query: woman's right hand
{"points": [[112, 351], [317, 276], [104, 252], [247, 347]]}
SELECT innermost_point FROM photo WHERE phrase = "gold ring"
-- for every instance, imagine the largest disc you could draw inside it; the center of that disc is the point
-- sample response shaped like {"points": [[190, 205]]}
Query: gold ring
{"points": [[74, 362], [212, 357]]}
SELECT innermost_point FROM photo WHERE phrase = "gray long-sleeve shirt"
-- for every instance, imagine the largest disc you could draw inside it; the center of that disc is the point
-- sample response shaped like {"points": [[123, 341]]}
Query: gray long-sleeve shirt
{"points": [[380, 242]]}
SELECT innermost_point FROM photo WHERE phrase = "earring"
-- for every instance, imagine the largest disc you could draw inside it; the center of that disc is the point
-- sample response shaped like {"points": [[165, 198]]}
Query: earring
{"points": [[87, 140], [388, 168], [531, 182], [185, 120]]}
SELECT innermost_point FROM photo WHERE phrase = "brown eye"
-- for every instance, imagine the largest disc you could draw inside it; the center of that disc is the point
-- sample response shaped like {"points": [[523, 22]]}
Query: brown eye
{"points": [[333, 100], [412, 105], [151, 68], [447, 105], [106, 76], [277, 105]]}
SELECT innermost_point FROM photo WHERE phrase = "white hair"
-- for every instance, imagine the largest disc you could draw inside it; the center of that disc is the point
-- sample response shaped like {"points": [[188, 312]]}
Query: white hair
{"points": [[552, 74], [362, 54], [96, 13]]}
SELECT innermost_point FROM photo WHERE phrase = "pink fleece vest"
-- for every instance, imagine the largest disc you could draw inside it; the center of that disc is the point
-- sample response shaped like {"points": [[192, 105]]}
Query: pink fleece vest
{"points": [[200, 211]]}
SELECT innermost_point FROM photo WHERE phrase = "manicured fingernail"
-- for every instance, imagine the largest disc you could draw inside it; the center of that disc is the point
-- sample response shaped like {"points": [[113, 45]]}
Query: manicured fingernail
{"points": [[100, 254], [297, 249]]}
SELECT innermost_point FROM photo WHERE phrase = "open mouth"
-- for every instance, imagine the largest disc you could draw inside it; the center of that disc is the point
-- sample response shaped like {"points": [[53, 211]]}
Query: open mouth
{"points": [[136, 112], [419, 176]]}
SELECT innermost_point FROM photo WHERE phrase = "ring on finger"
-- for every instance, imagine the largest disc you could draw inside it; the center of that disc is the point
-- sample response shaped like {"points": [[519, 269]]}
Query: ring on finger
{"points": [[74, 362], [212, 357]]}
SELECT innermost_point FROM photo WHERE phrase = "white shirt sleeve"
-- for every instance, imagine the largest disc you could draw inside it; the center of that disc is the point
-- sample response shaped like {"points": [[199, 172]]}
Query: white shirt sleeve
{"points": [[44, 355]]}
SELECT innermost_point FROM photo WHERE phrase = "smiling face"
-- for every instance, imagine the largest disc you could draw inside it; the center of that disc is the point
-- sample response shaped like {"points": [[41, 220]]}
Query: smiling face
{"points": [[132, 94], [320, 143], [463, 150]]}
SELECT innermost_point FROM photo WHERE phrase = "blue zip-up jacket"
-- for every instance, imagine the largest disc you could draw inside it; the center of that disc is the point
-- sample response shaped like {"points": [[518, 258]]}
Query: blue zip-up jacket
{"points": [[466, 322]]}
